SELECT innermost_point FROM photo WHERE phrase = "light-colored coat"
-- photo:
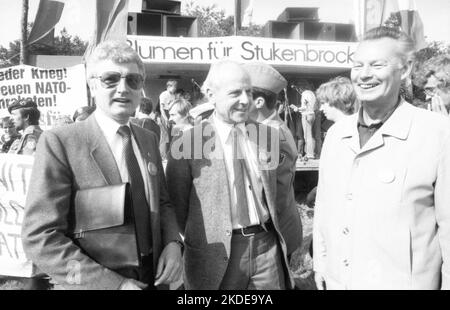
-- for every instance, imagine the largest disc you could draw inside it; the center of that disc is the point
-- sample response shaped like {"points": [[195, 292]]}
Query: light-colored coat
{"points": [[78, 157], [382, 215], [199, 190]]}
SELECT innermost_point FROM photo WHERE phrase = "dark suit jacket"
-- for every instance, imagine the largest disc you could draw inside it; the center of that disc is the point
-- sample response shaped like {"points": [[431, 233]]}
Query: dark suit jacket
{"points": [[148, 124], [77, 157], [290, 221], [198, 188]]}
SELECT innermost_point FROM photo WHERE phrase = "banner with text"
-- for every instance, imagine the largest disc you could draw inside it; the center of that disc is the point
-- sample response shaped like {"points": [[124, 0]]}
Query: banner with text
{"points": [[56, 92], [244, 49], [15, 173]]}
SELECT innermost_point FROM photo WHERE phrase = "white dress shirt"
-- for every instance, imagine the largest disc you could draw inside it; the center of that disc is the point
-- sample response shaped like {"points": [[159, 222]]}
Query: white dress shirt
{"points": [[225, 138], [109, 128]]}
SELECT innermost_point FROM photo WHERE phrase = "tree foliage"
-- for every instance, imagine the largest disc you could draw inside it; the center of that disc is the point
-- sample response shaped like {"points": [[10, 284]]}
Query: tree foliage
{"points": [[63, 44], [213, 22]]}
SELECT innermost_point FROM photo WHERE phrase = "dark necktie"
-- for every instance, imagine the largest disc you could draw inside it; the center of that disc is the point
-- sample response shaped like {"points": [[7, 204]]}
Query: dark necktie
{"points": [[140, 207]]}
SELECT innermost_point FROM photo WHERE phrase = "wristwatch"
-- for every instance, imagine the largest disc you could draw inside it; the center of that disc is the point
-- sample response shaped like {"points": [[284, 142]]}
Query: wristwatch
{"points": [[181, 244]]}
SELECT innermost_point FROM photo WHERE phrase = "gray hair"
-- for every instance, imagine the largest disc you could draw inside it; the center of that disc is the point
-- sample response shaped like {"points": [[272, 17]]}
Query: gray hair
{"points": [[406, 44], [118, 52]]}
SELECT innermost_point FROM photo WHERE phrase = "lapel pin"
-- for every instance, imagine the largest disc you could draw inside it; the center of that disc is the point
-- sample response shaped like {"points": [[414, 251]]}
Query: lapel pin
{"points": [[152, 169]]}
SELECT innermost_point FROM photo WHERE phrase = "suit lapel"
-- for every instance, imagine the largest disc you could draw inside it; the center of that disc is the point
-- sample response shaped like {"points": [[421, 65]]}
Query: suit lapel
{"points": [[216, 155], [101, 152], [268, 178]]}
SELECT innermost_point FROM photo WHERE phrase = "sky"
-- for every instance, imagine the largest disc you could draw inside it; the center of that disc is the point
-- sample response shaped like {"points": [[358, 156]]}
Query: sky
{"points": [[78, 15]]}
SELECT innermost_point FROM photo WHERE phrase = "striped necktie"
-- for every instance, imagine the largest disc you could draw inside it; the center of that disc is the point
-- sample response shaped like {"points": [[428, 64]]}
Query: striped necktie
{"points": [[239, 182]]}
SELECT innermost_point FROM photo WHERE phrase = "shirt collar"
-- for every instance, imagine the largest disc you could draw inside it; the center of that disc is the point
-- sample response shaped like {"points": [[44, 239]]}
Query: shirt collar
{"points": [[397, 124], [362, 123], [108, 126], [224, 129]]}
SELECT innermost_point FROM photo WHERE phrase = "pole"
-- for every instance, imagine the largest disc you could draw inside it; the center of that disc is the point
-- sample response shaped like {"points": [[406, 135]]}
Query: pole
{"points": [[237, 15], [23, 40]]}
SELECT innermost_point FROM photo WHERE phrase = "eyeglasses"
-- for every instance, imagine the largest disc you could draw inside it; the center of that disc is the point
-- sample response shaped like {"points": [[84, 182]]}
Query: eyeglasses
{"points": [[111, 79]]}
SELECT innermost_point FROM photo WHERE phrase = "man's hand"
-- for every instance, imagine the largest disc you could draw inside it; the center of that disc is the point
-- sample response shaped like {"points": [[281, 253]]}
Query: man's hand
{"points": [[320, 281], [132, 285], [170, 265]]}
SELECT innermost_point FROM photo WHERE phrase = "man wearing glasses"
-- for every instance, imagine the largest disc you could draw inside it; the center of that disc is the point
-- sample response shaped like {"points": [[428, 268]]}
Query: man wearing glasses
{"points": [[106, 149]]}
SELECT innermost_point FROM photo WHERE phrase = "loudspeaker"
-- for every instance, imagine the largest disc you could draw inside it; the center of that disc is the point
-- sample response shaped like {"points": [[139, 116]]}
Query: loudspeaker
{"points": [[327, 32], [299, 15], [146, 24], [282, 30], [162, 6], [180, 26]]}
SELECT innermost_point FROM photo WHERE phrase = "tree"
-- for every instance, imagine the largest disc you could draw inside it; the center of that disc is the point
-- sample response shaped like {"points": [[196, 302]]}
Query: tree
{"points": [[213, 22], [64, 44]]}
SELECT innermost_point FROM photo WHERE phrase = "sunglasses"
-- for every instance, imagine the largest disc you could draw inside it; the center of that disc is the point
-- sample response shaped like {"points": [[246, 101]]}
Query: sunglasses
{"points": [[111, 79]]}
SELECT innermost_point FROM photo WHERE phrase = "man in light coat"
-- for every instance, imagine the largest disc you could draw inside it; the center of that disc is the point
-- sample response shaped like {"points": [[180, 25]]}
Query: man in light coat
{"points": [[382, 215]]}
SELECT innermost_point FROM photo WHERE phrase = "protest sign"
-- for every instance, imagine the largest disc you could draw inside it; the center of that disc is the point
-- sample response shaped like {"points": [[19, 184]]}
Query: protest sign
{"points": [[56, 92], [15, 173], [273, 51]]}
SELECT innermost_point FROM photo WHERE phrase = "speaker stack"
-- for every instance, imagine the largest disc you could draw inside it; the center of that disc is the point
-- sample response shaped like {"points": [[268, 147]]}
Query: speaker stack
{"points": [[303, 24], [162, 18]]}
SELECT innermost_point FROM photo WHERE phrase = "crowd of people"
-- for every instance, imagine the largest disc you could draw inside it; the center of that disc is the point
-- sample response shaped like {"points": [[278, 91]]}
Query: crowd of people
{"points": [[221, 212]]}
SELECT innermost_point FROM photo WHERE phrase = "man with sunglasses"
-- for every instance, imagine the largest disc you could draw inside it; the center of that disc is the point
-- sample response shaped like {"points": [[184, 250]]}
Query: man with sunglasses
{"points": [[105, 149]]}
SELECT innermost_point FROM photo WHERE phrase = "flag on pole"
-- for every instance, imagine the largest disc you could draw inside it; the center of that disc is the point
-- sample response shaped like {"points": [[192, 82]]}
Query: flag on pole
{"points": [[48, 15], [243, 13], [393, 13], [111, 20]]}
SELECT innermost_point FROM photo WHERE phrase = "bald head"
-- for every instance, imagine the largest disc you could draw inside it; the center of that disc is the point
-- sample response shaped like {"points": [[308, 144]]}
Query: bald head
{"points": [[228, 87], [221, 71]]}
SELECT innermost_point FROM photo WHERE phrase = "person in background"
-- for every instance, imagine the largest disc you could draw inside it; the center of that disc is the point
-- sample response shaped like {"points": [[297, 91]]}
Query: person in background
{"points": [[187, 96], [267, 83], [308, 110], [25, 115], [382, 216], [294, 122], [336, 98], [9, 135], [166, 99], [144, 119], [82, 113], [179, 116], [437, 87]]}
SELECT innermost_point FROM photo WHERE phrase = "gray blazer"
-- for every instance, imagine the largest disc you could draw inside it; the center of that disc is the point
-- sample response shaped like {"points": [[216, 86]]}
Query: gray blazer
{"points": [[199, 190], [77, 157]]}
